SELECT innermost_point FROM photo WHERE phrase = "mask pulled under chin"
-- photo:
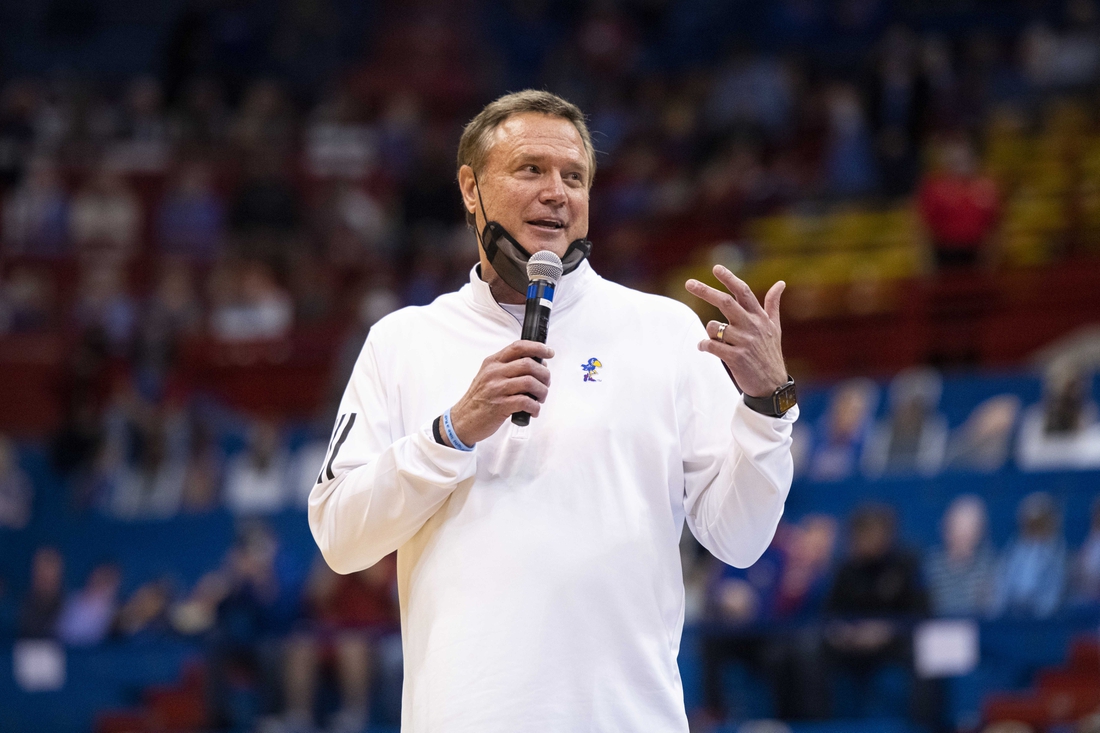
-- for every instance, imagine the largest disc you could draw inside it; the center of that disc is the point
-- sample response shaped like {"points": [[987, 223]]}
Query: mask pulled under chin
{"points": [[509, 259]]}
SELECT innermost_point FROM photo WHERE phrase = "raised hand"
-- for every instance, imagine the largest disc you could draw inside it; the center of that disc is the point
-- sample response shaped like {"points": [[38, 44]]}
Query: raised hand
{"points": [[508, 381], [750, 343]]}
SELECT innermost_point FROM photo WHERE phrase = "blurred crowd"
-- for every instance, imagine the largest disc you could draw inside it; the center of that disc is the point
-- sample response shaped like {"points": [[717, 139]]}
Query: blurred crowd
{"points": [[265, 625], [805, 615], [228, 201], [823, 603], [912, 437]]}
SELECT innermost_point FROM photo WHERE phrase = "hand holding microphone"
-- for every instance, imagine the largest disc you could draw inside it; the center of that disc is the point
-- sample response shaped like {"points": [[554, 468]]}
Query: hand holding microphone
{"points": [[513, 381]]}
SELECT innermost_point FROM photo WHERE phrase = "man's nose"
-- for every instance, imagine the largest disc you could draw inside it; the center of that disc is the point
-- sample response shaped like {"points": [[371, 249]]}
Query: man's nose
{"points": [[553, 192]]}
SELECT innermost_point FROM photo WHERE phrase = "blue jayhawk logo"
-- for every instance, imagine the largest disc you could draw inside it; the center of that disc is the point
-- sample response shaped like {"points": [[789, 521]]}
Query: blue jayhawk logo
{"points": [[590, 369]]}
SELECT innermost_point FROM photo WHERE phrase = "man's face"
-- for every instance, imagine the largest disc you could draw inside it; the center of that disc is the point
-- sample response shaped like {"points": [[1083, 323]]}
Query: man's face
{"points": [[534, 182]]}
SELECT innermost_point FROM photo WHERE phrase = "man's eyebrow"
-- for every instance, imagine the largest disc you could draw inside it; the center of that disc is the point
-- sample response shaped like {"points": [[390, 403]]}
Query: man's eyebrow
{"points": [[524, 158]]}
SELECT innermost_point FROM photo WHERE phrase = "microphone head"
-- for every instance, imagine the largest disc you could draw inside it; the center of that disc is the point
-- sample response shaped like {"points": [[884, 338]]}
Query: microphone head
{"points": [[544, 265]]}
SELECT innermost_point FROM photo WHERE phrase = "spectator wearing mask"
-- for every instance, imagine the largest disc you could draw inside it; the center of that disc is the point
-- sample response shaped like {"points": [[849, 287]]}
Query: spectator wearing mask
{"points": [[961, 572], [1062, 431], [912, 439], [959, 206], [88, 615], [1031, 580], [42, 605]]}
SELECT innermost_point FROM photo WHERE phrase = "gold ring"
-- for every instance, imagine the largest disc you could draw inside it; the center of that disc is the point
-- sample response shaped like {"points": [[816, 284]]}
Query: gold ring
{"points": [[721, 332]]}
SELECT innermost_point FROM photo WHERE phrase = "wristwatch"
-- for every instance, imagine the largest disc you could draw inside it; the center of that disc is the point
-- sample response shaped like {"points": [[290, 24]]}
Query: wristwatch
{"points": [[777, 403]]}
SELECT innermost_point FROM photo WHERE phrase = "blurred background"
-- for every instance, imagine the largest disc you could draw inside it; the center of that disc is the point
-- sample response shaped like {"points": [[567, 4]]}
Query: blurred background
{"points": [[206, 204]]}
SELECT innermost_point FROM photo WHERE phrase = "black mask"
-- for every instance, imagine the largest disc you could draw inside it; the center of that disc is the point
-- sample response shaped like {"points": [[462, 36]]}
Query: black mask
{"points": [[508, 257]]}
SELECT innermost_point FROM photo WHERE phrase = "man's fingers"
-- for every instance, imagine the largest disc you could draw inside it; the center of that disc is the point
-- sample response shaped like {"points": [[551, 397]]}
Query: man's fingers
{"points": [[522, 403], [722, 350], [771, 300], [738, 288], [712, 331], [520, 349], [521, 367], [526, 385], [724, 302]]}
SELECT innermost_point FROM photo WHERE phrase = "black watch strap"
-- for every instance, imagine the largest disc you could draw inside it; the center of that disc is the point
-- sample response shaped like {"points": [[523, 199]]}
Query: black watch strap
{"points": [[777, 403]]}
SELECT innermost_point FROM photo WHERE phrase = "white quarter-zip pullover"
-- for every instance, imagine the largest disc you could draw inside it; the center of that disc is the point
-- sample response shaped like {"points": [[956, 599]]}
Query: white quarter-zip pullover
{"points": [[539, 575]]}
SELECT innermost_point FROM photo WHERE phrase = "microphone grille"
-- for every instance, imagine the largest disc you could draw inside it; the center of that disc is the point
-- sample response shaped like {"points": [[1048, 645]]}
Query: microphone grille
{"points": [[544, 265]]}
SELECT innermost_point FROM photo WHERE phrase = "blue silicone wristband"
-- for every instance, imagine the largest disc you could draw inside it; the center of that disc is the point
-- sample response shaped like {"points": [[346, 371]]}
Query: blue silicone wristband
{"points": [[451, 436]]}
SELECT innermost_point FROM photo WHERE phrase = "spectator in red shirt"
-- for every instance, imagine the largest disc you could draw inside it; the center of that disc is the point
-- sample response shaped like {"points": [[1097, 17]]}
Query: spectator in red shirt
{"points": [[350, 614], [959, 206]]}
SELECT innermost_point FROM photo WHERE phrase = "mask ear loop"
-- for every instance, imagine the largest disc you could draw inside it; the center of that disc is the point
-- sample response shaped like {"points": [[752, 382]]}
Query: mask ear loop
{"points": [[480, 203]]}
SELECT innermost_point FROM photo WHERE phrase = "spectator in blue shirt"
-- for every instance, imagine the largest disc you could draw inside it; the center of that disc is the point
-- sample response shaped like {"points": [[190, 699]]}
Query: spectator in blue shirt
{"points": [[1032, 578]]}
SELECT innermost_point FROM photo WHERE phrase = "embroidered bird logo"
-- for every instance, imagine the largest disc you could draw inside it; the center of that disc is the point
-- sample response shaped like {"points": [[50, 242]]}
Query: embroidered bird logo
{"points": [[590, 369]]}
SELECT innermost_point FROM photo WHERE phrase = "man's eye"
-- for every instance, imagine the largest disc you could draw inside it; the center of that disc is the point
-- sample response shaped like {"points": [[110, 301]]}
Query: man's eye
{"points": [[531, 168]]}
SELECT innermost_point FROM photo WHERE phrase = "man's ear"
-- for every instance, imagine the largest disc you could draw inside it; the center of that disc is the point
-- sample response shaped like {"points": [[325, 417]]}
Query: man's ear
{"points": [[468, 186]]}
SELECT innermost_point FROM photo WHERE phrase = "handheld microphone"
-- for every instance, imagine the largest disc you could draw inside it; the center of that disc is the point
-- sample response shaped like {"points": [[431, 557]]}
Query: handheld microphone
{"points": [[544, 270]]}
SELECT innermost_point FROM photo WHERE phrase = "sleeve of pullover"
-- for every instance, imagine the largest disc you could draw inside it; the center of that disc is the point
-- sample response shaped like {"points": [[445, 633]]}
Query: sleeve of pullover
{"points": [[378, 486], [737, 462]]}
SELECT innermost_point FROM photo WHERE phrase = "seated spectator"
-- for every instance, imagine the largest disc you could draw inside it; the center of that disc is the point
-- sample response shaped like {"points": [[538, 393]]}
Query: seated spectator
{"points": [[913, 437], [142, 462], [40, 609], [850, 166], [145, 612], [171, 314], [1087, 576], [875, 592], [251, 306], [106, 217], [761, 612], [141, 144], [984, 441], [196, 613], [27, 301], [1031, 579], [36, 214], [88, 615], [961, 572], [255, 595], [202, 484], [959, 206], [351, 613], [1062, 431], [148, 478], [255, 481], [840, 434], [104, 305], [191, 217], [16, 491]]}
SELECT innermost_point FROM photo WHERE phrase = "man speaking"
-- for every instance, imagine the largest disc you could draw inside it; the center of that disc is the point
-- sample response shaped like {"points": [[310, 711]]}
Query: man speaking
{"points": [[538, 566]]}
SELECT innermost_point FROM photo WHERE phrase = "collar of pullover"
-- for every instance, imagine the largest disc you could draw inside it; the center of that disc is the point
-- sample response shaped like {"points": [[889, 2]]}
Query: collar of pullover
{"points": [[569, 289]]}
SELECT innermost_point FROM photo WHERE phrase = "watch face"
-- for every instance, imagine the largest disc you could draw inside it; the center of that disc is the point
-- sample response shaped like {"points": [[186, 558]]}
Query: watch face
{"points": [[785, 399]]}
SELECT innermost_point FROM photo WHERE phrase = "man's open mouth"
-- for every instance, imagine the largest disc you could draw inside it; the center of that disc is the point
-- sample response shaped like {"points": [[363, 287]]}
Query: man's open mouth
{"points": [[547, 223]]}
